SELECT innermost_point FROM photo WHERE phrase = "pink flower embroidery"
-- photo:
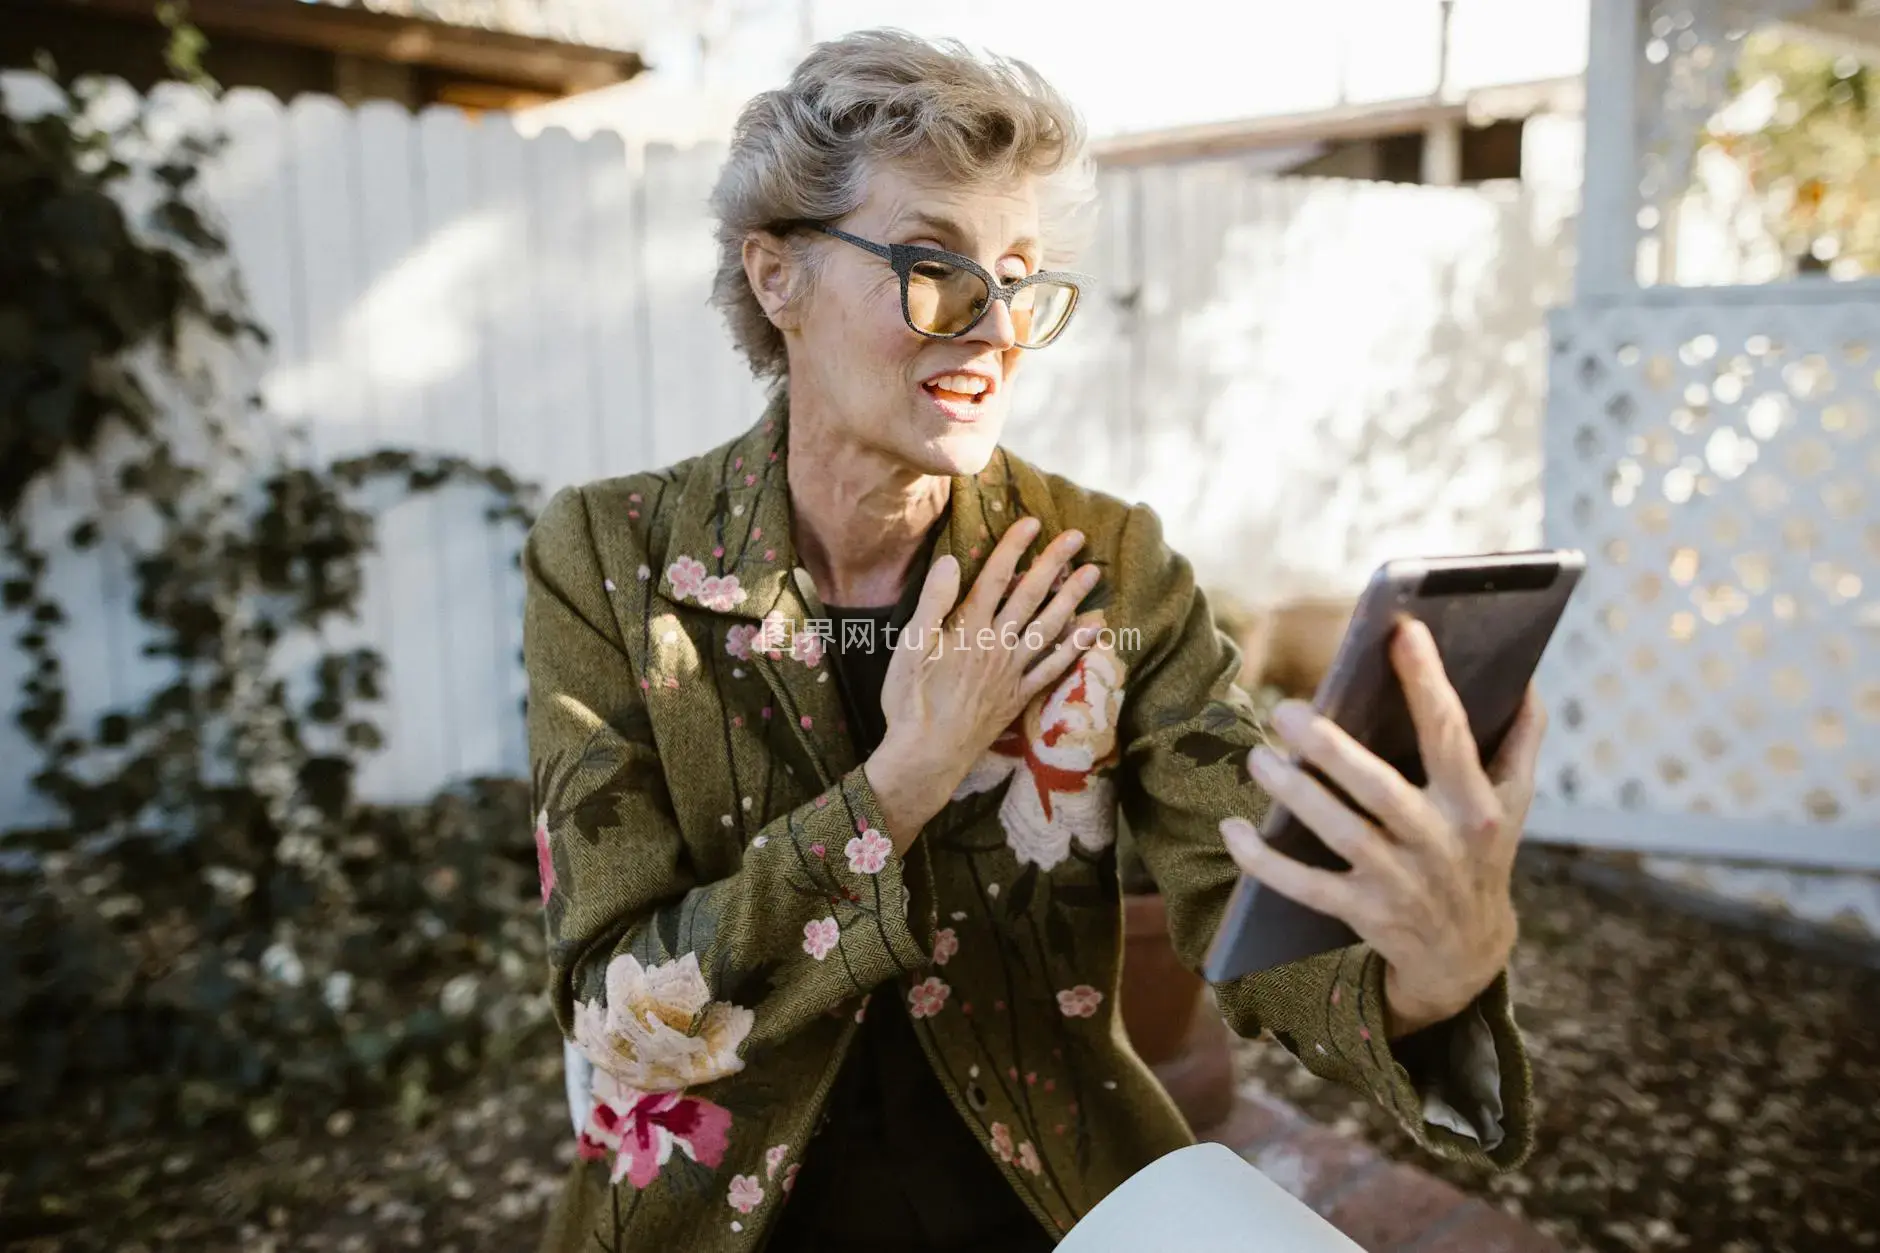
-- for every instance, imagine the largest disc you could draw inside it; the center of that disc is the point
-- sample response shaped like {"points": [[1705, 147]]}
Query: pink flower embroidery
{"points": [[1002, 1141], [720, 593], [1057, 754], [789, 1178], [1028, 1158], [945, 944], [820, 936], [807, 648], [1080, 1001], [687, 575], [773, 1158], [746, 1193], [868, 852], [544, 859], [738, 641], [642, 1129], [928, 997]]}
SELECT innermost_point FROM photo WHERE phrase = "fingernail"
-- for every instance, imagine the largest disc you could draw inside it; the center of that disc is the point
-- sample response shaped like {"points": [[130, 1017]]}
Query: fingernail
{"points": [[1075, 539], [1264, 763], [1241, 836], [1291, 717]]}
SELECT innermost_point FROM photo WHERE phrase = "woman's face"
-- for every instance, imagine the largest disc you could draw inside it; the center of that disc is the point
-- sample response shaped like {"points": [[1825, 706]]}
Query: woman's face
{"points": [[937, 406]]}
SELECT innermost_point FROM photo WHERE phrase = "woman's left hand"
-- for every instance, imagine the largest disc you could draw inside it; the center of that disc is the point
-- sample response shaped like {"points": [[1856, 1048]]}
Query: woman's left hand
{"points": [[1429, 884]]}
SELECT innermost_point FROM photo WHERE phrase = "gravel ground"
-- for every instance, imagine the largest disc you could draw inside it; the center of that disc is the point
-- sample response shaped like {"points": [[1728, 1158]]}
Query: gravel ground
{"points": [[479, 1177], [1699, 1086]]}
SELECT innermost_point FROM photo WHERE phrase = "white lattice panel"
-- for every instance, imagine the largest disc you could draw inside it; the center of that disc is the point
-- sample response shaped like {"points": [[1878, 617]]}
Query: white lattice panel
{"points": [[1716, 684]]}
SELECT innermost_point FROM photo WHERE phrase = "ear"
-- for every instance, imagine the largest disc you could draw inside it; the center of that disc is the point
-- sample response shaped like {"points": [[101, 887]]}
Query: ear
{"points": [[771, 272]]}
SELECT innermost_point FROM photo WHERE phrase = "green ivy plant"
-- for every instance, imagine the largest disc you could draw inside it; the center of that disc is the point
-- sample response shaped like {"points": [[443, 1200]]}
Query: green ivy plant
{"points": [[216, 930]]}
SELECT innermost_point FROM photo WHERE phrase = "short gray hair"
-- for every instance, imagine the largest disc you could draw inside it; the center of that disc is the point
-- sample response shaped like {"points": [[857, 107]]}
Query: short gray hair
{"points": [[804, 151]]}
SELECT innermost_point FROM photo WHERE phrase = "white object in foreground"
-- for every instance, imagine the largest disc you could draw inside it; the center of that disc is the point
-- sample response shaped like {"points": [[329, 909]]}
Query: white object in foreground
{"points": [[1203, 1199]]}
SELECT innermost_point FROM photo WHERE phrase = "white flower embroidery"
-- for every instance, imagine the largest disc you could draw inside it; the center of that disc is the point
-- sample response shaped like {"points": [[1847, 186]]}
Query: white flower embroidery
{"points": [[1079, 1002], [1056, 755], [660, 1030]]}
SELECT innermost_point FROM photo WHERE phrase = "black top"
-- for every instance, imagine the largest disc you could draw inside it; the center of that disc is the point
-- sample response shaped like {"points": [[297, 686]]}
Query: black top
{"points": [[895, 1166]]}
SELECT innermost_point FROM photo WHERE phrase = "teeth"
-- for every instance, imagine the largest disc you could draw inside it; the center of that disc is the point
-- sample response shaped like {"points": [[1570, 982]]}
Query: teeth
{"points": [[968, 384]]}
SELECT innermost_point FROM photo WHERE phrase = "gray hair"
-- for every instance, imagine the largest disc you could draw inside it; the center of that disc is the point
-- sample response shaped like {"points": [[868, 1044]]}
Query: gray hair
{"points": [[805, 150]]}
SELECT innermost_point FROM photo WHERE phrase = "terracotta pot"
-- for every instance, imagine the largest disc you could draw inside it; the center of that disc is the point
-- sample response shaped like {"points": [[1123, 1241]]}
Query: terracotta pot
{"points": [[1171, 1023]]}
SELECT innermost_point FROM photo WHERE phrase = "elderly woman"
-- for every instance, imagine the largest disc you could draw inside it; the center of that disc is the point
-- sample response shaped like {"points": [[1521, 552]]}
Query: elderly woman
{"points": [[831, 726]]}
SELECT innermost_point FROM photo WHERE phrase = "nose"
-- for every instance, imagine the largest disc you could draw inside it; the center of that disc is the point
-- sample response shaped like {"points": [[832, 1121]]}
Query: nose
{"points": [[995, 329]]}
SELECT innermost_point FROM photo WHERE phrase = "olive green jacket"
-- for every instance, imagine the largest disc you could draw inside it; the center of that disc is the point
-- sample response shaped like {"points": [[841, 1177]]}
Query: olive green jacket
{"points": [[722, 899]]}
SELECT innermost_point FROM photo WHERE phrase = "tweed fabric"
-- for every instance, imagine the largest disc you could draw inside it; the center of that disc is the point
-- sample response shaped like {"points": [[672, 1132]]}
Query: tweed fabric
{"points": [[722, 901]]}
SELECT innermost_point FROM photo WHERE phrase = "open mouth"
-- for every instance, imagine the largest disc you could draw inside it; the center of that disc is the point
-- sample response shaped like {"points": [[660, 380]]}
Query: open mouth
{"points": [[958, 389]]}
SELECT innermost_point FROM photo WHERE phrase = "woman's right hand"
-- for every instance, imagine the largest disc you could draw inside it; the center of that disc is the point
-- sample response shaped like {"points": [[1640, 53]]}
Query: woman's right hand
{"points": [[962, 673]]}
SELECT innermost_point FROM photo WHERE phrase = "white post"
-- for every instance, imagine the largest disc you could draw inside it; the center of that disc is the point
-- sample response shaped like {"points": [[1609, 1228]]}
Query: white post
{"points": [[1608, 230]]}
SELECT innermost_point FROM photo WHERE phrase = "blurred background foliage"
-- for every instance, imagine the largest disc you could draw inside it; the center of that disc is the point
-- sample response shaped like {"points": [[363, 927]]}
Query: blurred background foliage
{"points": [[216, 933]]}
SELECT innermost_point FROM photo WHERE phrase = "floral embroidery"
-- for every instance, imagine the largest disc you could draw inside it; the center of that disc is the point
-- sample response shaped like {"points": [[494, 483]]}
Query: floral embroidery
{"points": [[1002, 1141], [773, 633], [928, 997], [659, 1029], [945, 944], [738, 641], [720, 593], [641, 1129], [773, 1158], [1055, 754], [687, 576], [820, 936], [807, 648], [1028, 1158], [746, 1194], [544, 858], [1080, 1001], [789, 1178], [868, 852]]}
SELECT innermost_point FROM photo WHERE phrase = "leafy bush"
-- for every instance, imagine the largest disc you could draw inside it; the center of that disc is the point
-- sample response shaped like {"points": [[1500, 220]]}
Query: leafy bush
{"points": [[217, 929]]}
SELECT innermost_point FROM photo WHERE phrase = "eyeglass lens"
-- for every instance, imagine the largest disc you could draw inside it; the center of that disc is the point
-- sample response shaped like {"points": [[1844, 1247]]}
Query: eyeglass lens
{"points": [[944, 299]]}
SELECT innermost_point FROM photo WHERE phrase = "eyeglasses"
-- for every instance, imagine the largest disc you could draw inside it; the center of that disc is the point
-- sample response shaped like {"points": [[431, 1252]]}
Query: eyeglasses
{"points": [[944, 295]]}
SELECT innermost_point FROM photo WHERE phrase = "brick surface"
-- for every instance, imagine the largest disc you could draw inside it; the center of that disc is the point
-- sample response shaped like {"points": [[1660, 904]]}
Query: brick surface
{"points": [[1255, 1119], [1392, 1208], [1478, 1228], [1383, 1206], [1311, 1162]]}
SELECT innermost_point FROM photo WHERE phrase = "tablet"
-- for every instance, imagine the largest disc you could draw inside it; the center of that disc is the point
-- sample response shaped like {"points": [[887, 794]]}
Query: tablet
{"points": [[1492, 616]]}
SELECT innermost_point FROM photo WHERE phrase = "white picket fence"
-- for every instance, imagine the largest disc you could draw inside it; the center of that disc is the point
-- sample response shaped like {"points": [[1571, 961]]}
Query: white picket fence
{"points": [[1302, 376]]}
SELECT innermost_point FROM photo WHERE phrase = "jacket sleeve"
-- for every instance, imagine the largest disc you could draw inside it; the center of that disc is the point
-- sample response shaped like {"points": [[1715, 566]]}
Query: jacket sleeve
{"points": [[661, 979], [1461, 1089]]}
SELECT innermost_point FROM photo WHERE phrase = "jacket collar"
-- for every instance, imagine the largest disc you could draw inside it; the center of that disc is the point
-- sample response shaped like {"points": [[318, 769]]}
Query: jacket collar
{"points": [[732, 553], [732, 550]]}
